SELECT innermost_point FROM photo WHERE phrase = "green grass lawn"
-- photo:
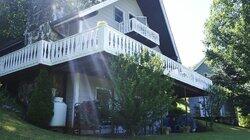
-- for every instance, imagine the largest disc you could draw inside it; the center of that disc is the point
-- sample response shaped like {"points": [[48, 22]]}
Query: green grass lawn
{"points": [[13, 128]]}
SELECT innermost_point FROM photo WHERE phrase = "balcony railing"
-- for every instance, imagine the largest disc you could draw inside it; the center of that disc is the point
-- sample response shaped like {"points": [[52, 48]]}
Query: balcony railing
{"points": [[100, 39], [50, 53], [140, 28]]}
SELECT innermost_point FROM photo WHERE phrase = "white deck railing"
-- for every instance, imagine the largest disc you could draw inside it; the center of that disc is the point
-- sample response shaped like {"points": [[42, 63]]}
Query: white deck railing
{"points": [[20, 59], [118, 43], [50, 53], [140, 28], [99, 39]]}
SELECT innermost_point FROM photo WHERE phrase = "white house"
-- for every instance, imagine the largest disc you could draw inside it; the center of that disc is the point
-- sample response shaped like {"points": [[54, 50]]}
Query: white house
{"points": [[77, 59]]}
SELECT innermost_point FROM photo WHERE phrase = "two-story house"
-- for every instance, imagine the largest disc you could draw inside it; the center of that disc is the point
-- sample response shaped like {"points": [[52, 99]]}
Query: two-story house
{"points": [[75, 48]]}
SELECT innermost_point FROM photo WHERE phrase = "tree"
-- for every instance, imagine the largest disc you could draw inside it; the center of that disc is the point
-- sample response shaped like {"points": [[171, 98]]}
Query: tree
{"points": [[14, 14], [13, 17], [40, 109], [142, 93], [228, 48]]}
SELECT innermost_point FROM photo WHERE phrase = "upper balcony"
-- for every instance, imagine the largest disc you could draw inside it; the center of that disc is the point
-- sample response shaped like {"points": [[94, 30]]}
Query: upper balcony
{"points": [[138, 30], [103, 38]]}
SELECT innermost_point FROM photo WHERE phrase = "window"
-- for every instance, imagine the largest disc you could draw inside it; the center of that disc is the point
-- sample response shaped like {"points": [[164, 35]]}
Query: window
{"points": [[118, 15]]}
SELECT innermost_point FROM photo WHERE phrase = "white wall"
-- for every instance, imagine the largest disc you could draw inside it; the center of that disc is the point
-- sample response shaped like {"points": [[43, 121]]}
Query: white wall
{"points": [[199, 101], [107, 14], [85, 88], [196, 106]]}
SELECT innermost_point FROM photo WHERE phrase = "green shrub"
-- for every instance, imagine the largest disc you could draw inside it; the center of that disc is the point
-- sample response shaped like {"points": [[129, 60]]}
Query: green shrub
{"points": [[143, 93], [8, 102], [40, 109], [176, 112], [244, 121], [5, 98]]}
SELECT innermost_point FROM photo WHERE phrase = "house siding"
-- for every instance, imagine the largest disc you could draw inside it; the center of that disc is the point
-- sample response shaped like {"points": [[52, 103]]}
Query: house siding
{"points": [[107, 14], [89, 85]]}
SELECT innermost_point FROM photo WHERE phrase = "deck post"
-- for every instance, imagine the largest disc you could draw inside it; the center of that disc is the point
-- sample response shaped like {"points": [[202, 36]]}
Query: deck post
{"points": [[186, 108], [76, 90], [103, 35], [205, 109]]}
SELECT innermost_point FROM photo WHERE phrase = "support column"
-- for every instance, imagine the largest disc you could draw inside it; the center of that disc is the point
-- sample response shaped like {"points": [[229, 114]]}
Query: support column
{"points": [[186, 108], [76, 92], [205, 110]]}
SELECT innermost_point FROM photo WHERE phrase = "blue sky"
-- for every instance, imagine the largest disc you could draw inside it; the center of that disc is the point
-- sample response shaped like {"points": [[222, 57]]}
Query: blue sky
{"points": [[187, 18]]}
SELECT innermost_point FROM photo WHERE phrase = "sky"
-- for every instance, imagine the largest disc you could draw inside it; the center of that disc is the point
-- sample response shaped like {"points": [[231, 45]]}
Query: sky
{"points": [[187, 18]]}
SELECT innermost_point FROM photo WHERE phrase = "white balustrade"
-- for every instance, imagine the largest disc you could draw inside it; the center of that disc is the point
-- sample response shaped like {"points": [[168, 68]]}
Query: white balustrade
{"points": [[140, 28], [99, 39], [20, 59], [50, 53], [74, 47], [118, 43]]}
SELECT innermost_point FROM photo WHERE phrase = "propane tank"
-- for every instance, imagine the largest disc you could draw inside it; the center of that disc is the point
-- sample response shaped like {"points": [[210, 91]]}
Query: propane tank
{"points": [[59, 117]]}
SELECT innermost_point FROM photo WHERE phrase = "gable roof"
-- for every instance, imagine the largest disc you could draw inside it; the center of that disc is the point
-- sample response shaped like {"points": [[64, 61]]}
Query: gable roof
{"points": [[199, 64], [157, 20], [203, 68]]}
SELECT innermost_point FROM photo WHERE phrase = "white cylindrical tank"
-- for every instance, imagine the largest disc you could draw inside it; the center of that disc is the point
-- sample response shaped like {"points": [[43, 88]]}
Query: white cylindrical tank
{"points": [[60, 109]]}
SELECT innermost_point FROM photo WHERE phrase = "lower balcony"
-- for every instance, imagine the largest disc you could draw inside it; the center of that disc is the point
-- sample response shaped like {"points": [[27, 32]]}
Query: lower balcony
{"points": [[100, 39]]}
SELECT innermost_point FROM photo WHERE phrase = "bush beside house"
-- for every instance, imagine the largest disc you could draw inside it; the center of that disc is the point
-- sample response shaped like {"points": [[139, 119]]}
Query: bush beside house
{"points": [[243, 120], [143, 93], [8, 101], [40, 109]]}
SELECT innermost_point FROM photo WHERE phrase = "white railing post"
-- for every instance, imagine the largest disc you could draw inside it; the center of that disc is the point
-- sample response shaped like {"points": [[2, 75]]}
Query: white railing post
{"points": [[103, 35], [39, 46], [43, 52]]}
